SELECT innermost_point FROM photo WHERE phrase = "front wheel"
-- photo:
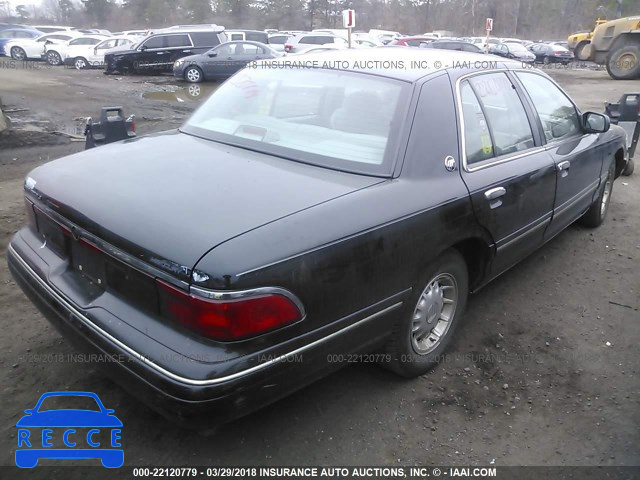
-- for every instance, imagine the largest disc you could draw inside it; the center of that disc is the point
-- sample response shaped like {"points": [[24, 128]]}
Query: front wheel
{"points": [[80, 63], [628, 170], [193, 75], [429, 317], [53, 58], [598, 211]]}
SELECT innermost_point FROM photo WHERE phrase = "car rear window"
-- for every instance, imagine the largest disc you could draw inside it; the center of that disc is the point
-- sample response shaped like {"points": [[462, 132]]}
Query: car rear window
{"points": [[205, 39], [336, 119]]}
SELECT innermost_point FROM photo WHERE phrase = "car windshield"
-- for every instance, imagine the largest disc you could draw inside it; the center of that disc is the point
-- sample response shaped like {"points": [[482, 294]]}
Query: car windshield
{"points": [[66, 402], [336, 119]]}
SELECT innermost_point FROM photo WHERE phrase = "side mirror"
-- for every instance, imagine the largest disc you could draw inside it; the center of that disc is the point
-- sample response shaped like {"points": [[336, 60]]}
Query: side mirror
{"points": [[143, 48], [595, 122], [213, 54]]}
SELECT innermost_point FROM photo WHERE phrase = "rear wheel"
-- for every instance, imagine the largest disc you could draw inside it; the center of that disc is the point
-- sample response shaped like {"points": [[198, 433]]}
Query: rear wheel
{"points": [[53, 58], [623, 62], [18, 53], [193, 74], [429, 317], [546, 60], [598, 211]]}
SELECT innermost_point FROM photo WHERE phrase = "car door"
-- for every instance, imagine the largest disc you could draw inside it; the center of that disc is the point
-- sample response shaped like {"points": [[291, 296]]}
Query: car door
{"points": [[178, 46], [510, 177], [150, 53], [217, 62], [577, 155]]}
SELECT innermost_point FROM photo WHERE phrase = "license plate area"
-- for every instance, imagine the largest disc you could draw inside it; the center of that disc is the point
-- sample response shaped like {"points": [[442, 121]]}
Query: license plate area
{"points": [[88, 261]]}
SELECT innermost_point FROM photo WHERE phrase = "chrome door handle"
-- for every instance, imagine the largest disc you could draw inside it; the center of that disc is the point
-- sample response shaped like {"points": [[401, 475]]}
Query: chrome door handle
{"points": [[494, 193], [563, 168], [495, 196]]}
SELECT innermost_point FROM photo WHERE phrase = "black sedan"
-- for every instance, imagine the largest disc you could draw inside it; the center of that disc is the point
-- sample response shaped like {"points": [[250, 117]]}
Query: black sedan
{"points": [[222, 61], [549, 53], [514, 51], [304, 218]]}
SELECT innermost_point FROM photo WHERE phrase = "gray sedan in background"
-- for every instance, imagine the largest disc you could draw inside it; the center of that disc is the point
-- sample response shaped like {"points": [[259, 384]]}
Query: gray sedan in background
{"points": [[222, 61]]}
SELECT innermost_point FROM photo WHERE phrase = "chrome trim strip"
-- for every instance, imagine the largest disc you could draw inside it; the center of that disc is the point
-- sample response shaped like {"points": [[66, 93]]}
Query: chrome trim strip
{"points": [[167, 373], [528, 229], [253, 292], [114, 252]]}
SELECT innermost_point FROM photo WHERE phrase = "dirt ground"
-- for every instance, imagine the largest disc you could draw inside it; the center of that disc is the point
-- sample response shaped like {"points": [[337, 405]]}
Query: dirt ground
{"points": [[544, 370]]}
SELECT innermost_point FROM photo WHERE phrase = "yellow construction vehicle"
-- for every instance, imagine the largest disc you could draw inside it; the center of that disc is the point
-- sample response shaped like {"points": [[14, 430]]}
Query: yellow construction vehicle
{"points": [[616, 44], [578, 41]]}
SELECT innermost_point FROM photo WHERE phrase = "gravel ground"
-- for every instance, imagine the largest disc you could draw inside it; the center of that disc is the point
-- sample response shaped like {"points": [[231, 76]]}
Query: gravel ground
{"points": [[544, 370]]}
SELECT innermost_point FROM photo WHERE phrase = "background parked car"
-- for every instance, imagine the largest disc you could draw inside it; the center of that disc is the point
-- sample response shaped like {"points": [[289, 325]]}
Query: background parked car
{"points": [[277, 41], [308, 40], [92, 55], [412, 41], [221, 61], [550, 53], [159, 51], [27, 48], [515, 51], [252, 35], [56, 53], [452, 45], [16, 33]]}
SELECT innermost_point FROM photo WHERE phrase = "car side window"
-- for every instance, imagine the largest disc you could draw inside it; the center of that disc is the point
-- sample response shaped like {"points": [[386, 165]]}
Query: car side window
{"points": [[250, 49], [176, 41], [506, 116], [477, 139], [557, 113], [154, 42]]}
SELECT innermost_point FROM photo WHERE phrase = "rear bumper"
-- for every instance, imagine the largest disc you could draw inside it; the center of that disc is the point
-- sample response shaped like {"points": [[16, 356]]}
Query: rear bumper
{"points": [[196, 401]]}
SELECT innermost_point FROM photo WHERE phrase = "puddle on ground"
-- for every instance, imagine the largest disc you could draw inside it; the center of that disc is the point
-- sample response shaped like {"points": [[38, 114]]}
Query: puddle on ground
{"points": [[195, 92]]}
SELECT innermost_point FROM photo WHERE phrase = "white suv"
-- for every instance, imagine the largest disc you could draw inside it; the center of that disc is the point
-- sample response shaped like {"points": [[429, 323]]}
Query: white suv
{"points": [[56, 53], [304, 41]]}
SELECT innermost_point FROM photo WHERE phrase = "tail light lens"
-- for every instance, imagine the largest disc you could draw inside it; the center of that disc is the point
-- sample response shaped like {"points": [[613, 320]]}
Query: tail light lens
{"points": [[228, 320], [287, 47]]}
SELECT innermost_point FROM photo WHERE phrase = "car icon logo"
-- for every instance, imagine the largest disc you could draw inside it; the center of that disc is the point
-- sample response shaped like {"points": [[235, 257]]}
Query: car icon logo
{"points": [[69, 433]]}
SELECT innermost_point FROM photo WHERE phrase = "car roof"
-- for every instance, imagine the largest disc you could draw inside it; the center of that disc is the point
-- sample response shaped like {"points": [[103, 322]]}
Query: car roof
{"points": [[359, 60]]}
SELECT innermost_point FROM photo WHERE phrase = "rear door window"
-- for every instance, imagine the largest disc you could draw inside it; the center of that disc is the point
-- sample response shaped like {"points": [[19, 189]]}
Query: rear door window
{"points": [[178, 41], [507, 118]]}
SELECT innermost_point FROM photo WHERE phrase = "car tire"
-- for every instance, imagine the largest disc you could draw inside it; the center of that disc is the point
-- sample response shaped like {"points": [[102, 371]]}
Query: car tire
{"points": [[18, 53], [53, 58], [429, 317], [546, 60], [80, 63], [578, 51], [623, 63], [598, 211], [628, 170], [193, 74]]}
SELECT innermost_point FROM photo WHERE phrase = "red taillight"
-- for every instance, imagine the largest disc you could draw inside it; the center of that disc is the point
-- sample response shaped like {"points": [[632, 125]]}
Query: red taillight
{"points": [[287, 47], [228, 320]]}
